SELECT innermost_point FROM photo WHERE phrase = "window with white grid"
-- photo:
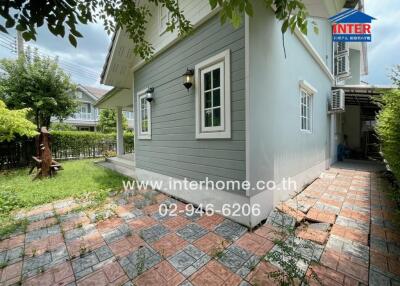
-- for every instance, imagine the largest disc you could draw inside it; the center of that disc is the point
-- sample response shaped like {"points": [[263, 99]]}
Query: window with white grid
{"points": [[306, 99], [144, 116]]}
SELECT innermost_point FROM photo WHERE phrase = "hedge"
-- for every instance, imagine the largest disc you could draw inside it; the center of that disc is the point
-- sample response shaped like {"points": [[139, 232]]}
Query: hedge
{"points": [[388, 129], [78, 144]]}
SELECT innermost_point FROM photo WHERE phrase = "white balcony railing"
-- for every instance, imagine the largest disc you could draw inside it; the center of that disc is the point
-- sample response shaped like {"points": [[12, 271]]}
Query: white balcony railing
{"points": [[84, 116]]}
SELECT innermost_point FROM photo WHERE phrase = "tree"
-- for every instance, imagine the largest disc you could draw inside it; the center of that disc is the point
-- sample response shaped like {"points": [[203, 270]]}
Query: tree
{"points": [[132, 15], [14, 122], [39, 84], [395, 75], [108, 121], [388, 124]]}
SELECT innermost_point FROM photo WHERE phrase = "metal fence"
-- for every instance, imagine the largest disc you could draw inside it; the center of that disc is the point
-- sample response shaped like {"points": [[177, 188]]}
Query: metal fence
{"points": [[18, 153]]}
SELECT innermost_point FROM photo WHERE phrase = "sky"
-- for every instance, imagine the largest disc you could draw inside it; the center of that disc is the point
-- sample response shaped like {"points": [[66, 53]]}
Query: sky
{"points": [[384, 50], [85, 62]]}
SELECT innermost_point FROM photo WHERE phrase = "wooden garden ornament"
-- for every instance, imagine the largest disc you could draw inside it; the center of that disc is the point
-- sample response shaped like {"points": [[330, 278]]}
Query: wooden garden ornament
{"points": [[43, 160]]}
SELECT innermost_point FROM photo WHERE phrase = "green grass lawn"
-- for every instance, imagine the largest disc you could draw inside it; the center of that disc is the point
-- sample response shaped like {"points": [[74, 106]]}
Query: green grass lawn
{"points": [[77, 179]]}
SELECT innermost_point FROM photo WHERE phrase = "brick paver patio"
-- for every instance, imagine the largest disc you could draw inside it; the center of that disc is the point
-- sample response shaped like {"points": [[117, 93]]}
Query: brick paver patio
{"points": [[344, 215]]}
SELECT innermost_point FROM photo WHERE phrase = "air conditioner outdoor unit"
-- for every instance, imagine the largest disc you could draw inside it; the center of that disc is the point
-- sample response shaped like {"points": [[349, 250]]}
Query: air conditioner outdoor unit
{"points": [[337, 100]]}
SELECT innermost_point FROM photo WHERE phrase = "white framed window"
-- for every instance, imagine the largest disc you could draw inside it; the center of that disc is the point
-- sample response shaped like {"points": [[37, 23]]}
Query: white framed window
{"points": [[163, 18], [307, 93], [144, 114], [342, 60], [213, 97], [342, 65]]}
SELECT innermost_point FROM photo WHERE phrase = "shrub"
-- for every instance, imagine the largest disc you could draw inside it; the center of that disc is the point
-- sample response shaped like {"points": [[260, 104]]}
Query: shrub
{"points": [[388, 129], [86, 144], [61, 126]]}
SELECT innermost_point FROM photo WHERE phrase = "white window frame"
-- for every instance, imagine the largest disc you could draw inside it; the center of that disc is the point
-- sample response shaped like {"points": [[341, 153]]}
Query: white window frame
{"points": [[309, 91], [342, 55], [222, 61], [162, 26], [143, 135], [339, 59]]}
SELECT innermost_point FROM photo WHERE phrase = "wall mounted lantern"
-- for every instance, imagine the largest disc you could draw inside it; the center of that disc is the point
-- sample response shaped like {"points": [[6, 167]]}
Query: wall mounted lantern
{"points": [[149, 94], [188, 78]]}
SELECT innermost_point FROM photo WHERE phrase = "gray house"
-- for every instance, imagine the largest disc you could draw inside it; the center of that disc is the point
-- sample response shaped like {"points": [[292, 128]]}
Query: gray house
{"points": [[86, 117], [252, 115]]}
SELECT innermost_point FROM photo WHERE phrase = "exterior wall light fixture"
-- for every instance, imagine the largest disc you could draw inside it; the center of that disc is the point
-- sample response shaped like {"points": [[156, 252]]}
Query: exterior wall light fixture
{"points": [[188, 78], [150, 94]]}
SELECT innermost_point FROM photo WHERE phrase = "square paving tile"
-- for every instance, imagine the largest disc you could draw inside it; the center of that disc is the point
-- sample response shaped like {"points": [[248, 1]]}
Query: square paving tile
{"points": [[238, 260], [42, 233], [189, 260], [191, 232], [79, 232], [91, 261], [12, 255], [60, 274], [230, 230], [128, 213], [153, 233], [169, 244], [142, 222], [214, 273], [307, 250], [11, 273], [175, 222], [161, 274], [210, 222], [108, 273], [139, 261], [126, 245], [255, 244], [118, 233], [211, 243]]}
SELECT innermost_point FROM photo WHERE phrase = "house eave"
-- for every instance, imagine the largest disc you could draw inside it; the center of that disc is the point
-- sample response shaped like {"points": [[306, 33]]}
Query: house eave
{"points": [[108, 95], [108, 58]]}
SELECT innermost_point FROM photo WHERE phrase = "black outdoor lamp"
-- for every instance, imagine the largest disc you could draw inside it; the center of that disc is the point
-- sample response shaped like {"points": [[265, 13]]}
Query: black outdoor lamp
{"points": [[149, 94], [188, 78]]}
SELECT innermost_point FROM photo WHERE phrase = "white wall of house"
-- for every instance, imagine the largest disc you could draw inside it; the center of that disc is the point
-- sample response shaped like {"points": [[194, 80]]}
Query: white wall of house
{"points": [[277, 147]]}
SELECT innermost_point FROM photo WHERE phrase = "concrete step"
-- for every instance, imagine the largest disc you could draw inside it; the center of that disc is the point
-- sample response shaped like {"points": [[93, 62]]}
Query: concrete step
{"points": [[123, 162], [129, 172]]}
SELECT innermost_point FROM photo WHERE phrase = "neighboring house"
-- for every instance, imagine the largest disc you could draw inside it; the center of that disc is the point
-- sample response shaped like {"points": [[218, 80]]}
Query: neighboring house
{"points": [[86, 117], [252, 114]]}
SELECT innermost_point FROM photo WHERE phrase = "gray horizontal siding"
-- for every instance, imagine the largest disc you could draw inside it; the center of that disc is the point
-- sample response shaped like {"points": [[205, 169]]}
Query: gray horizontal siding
{"points": [[173, 149]]}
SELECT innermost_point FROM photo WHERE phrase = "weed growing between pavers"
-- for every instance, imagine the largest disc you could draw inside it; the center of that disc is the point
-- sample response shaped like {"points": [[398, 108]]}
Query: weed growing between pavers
{"points": [[291, 255]]}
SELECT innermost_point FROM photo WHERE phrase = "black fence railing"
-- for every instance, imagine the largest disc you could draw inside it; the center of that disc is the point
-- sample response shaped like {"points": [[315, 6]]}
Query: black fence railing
{"points": [[18, 153]]}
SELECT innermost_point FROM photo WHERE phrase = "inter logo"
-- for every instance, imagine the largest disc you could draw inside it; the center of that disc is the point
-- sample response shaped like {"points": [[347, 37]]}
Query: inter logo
{"points": [[351, 26]]}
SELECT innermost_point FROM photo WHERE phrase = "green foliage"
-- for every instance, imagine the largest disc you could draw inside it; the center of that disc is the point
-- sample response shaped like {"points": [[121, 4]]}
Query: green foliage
{"points": [[134, 16], [61, 126], [388, 129], [8, 201], [14, 122], [80, 179], [108, 121], [395, 76], [39, 84], [79, 141], [9, 225]]}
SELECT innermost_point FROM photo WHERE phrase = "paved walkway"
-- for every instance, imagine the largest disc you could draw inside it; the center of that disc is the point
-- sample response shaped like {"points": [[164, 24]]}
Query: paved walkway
{"points": [[344, 216]]}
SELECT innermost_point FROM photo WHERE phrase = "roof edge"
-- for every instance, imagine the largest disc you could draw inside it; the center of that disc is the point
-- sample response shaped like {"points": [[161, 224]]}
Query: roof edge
{"points": [[109, 94], [107, 61]]}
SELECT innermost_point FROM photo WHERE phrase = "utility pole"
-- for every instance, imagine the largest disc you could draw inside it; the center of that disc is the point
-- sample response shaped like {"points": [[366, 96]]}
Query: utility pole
{"points": [[20, 44]]}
